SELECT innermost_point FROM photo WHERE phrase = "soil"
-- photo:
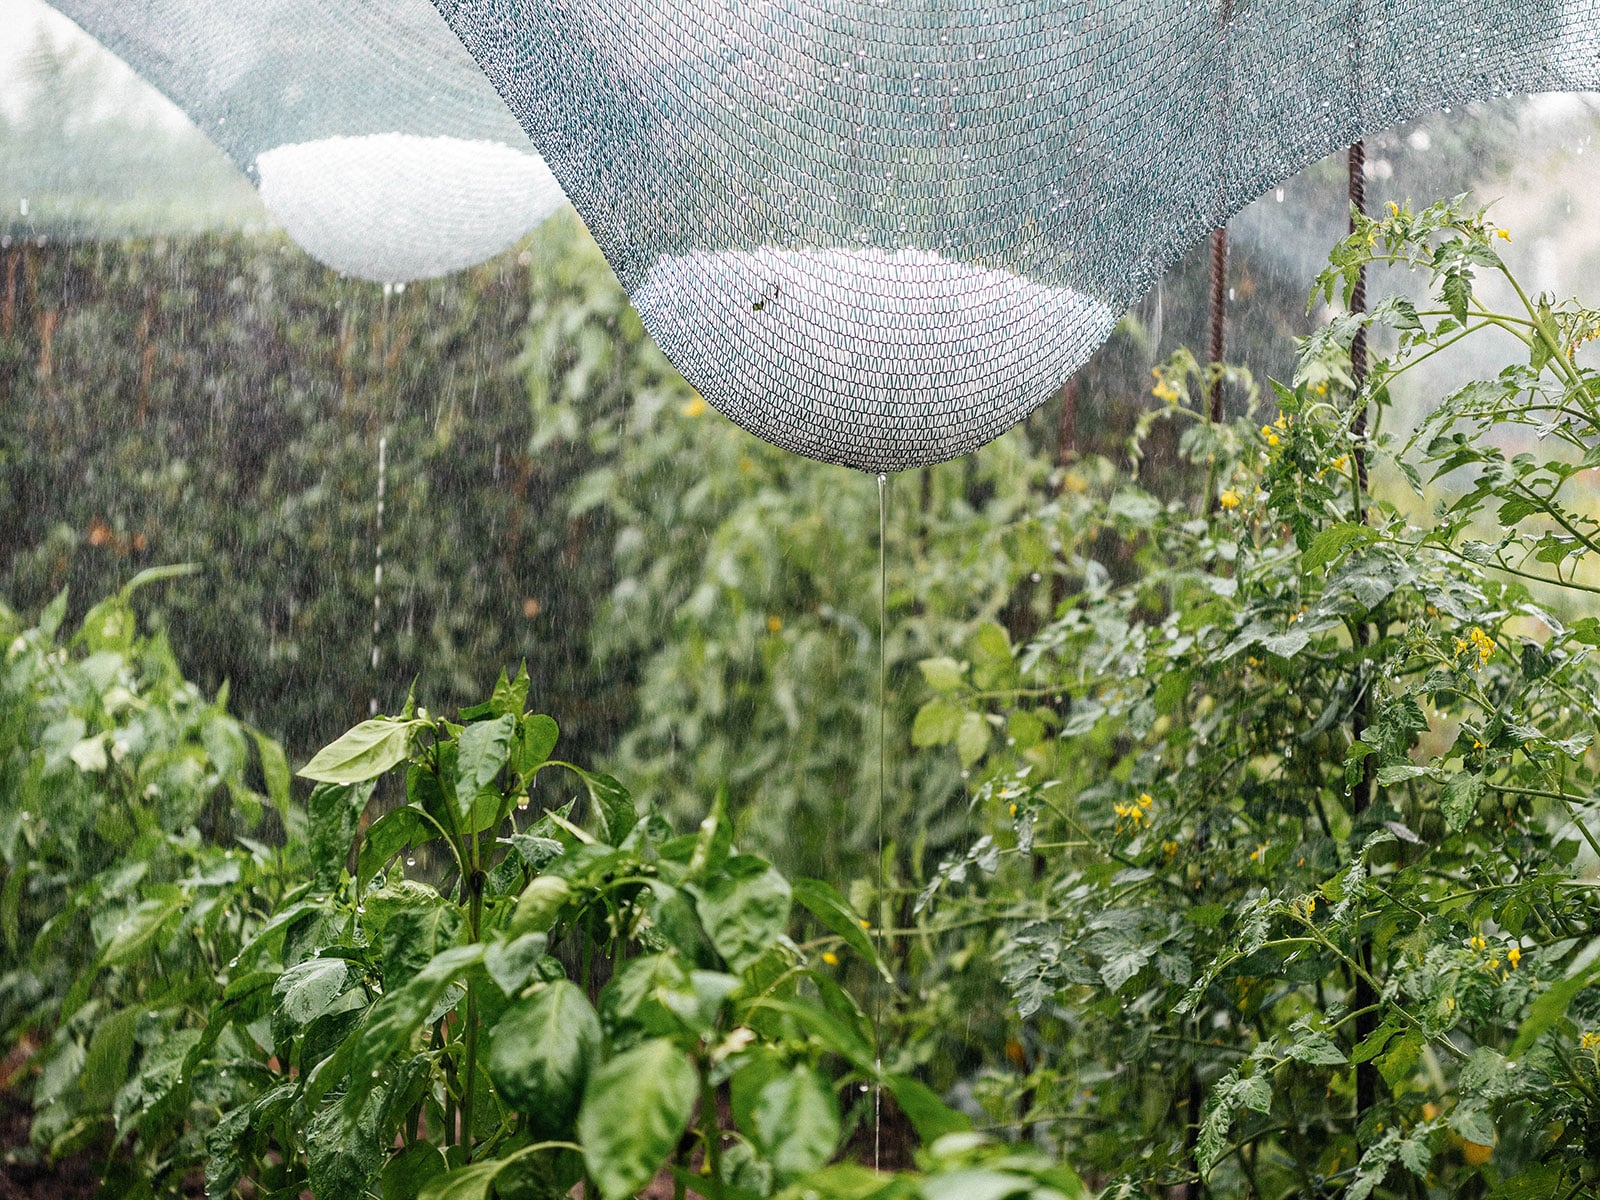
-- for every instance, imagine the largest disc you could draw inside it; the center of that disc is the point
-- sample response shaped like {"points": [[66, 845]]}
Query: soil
{"points": [[24, 1174]]}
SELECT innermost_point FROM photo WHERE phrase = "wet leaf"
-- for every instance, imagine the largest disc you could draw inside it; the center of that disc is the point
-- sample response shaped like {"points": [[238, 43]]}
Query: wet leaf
{"points": [[634, 1111], [364, 753], [540, 1055]]}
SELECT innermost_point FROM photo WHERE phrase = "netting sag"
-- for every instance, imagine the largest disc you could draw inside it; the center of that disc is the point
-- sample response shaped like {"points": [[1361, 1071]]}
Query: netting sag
{"points": [[880, 232]]}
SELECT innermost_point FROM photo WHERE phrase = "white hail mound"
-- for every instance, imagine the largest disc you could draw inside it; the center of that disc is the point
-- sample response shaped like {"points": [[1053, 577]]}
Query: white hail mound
{"points": [[875, 359], [392, 207]]}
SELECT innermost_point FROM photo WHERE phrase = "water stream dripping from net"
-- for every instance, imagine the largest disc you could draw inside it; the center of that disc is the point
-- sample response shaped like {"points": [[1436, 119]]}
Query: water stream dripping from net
{"points": [[883, 720], [377, 571]]}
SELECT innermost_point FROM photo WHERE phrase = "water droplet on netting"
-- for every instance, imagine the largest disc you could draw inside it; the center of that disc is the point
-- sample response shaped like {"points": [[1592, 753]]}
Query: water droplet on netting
{"points": [[411, 860]]}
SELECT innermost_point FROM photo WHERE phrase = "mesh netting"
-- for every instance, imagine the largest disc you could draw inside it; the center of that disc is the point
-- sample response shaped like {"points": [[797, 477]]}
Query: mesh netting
{"points": [[372, 135], [880, 233]]}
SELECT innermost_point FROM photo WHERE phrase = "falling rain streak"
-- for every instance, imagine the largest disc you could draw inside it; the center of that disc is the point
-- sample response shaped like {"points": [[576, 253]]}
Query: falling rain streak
{"points": [[377, 566]]}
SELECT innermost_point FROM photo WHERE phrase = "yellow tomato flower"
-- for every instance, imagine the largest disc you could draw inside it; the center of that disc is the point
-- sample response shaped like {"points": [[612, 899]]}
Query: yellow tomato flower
{"points": [[1266, 432], [1514, 957], [1134, 814], [1229, 499], [1476, 640], [1502, 235], [1477, 942], [1394, 209], [1165, 391], [829, 957], [1590, 1041]]}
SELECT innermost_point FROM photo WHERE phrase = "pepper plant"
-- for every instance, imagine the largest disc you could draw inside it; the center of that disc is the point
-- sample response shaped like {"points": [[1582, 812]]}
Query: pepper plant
{"points": [[141, 834], [458, 999], [580, 997]]}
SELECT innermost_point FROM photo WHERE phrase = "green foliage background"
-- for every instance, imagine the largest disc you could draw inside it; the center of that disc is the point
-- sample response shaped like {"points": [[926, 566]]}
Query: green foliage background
{"points": [[221, 401]]}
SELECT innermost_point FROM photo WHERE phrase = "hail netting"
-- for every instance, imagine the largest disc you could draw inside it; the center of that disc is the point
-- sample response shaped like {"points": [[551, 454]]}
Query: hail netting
{"points": [[880, 233], [372, 135]]}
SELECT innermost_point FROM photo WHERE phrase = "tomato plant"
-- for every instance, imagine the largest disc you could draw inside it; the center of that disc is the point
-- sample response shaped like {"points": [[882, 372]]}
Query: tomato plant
{"points": [[1291, 845]]}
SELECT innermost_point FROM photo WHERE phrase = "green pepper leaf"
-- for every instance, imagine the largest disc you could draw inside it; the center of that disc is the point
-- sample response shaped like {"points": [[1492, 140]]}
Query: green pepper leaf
{"points": [[364, 753], [744, 908], [635, 1109], [795, 1122], [541, 1053], [483, 748]]}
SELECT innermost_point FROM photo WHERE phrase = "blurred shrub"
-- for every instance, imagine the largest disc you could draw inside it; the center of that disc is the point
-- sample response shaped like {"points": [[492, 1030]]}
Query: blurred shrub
{"points": [[141, 829], [220, 401]]}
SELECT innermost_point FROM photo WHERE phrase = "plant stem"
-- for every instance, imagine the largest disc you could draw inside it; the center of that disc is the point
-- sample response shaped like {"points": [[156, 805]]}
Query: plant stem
{"points": [[475, 927], [710, 1128], [1566, 802]]}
